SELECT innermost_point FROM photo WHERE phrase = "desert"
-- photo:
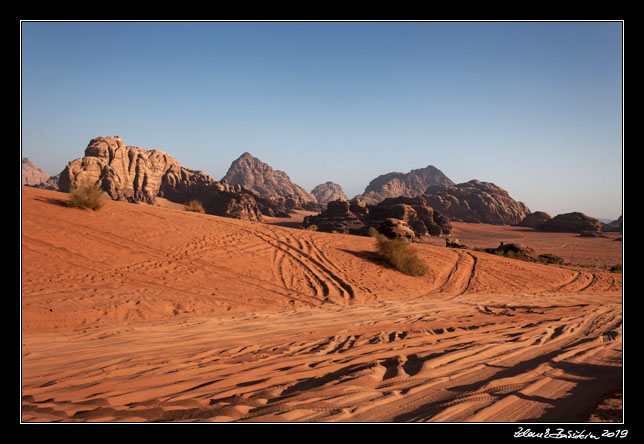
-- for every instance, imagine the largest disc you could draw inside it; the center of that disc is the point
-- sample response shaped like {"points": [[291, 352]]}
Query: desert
{"points": [[140, 313]]}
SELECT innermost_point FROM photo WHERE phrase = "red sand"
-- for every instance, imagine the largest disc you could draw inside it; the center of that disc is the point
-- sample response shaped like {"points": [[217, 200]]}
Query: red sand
{"points": [[143, 313]]}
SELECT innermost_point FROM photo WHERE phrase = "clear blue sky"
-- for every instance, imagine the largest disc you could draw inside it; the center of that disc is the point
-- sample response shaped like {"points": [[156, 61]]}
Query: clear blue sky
{"points": [[535, 107]]}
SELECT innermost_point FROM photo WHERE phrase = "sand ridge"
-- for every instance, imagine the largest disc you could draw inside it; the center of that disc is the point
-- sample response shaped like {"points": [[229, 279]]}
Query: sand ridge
{"points": [[140, 313]]}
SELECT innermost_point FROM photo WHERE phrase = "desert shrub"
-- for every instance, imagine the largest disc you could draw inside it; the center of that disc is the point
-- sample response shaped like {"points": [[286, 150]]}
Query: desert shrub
{"points": [[616, 268], [195, 206], [398, 254], [550, 259], [87, 196]]}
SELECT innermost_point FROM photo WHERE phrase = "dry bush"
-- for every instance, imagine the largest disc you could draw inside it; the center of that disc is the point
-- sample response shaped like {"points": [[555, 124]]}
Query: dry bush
{"points": [[398, 254], [194, 206], [87, 196]]}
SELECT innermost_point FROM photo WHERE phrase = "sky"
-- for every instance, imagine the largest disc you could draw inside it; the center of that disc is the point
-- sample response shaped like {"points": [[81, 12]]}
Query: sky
{"points": [[534, 107]]}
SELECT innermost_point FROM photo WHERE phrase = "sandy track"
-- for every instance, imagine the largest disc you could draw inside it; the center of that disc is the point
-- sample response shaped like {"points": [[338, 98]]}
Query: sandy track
{"points": [[137, 313]]}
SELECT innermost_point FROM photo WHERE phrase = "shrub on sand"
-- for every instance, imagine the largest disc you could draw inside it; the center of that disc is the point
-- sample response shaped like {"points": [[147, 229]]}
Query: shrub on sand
{"points": [[195, 206], [86, 196], [398, 254]]}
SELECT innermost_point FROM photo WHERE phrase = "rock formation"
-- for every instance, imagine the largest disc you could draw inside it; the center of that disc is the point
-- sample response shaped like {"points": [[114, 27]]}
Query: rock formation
{"points": [[252, 173], [614, 226], [532, 220], [394, 217], [31, 174], [476, 202], [124, 172], [409, 184], [139, 175], [570, 223], [326, 192]]}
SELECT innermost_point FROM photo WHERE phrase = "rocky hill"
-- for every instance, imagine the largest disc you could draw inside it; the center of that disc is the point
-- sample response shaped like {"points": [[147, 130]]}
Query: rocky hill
{"points": [[31, 174], [476, 202], [327, 192], [250, 172], [575, 222], [411, 184], [139, 175]]}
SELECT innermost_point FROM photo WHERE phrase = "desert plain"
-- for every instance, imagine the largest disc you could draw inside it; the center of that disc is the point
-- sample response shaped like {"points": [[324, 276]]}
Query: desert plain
{"points": [[138, 313]]}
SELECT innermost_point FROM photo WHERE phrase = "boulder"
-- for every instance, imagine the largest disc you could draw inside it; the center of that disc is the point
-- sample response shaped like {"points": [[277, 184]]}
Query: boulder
{"points": [[514, 250]]}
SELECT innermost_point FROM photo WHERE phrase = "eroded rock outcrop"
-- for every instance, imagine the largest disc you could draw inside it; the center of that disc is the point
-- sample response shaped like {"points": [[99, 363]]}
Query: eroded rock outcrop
{"points": [[409, 184], [139, 175], [251, 173], [575, 222], [614, 226], [327, 192], [394, 217], [476, 202]]}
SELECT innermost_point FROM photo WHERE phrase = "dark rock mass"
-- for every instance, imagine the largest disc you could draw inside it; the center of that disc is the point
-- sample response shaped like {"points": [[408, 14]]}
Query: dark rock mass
{"points": [[532, 220], [395, 217], [615, 226], [575, 222], [476, 202], [409, 184]]}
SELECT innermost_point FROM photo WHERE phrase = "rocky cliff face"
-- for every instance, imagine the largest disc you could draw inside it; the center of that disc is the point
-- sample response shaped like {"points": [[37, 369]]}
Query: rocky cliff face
{"points": [[252, 173], [409, 184], [408, 217], [476, 202], [31, 174], [123, 172], [139, 175], [327, 192]]}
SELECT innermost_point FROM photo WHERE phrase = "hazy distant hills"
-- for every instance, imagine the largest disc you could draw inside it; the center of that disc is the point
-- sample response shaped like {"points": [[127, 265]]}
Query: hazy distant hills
{"points": [[411, 184]]}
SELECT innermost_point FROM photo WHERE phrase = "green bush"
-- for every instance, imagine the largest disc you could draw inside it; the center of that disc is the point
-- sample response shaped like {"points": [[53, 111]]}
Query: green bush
{"points": [[87, 196], [398, 254], [194, 206]]}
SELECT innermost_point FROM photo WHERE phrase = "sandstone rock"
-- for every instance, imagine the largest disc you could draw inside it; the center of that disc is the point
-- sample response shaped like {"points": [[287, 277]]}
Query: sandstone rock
{"points": [[415, 212], [124, 172], [327, 192], [575, 222], [139, 175], [409, 184], [531, 220], [476, 202], [402, 216], [396, 228], [31, 174], [253, 174]]}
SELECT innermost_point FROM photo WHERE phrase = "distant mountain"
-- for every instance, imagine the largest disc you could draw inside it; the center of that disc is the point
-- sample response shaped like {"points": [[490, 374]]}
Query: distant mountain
{"points": [[327, 192], [411, 184], [31, 174], [250, 172]]}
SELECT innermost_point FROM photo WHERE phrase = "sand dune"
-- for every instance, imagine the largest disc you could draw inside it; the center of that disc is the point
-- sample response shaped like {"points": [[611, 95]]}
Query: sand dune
{"points": [[141, 313]]}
